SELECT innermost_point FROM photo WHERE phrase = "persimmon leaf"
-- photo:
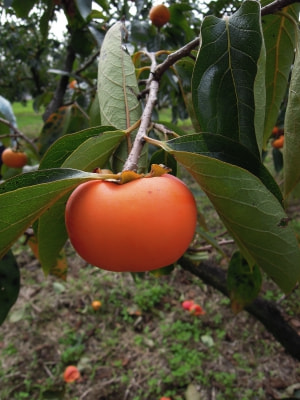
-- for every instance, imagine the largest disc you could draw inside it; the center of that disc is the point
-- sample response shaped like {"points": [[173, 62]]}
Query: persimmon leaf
{"points": [[24, 198], [9, 284], [225, 73], [117, 84], [243, 282], [66, 145], [250, 212], [280, 36], [291, 147]]}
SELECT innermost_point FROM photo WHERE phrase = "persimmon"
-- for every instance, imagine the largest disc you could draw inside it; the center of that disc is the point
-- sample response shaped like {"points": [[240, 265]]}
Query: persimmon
{"points": [[96, 304], [142, 225], [159, 15], [14, 159], [278, 143], [71, 374]]}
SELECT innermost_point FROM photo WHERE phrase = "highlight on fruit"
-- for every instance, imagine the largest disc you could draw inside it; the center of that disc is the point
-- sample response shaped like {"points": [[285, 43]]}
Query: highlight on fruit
{"points": [[142, 225], [159, 15], [13, 158]]}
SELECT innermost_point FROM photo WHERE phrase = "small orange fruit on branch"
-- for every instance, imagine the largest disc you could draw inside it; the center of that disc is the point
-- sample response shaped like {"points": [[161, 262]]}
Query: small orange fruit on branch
{"points": [[141, 225], [14, 159], [159, 15]]}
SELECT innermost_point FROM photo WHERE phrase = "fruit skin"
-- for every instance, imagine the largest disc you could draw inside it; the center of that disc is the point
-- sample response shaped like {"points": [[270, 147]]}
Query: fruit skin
{"points": [[71, 374], [159, 15], [278, 143], [142, 225], [14, 159], [96, 304]]}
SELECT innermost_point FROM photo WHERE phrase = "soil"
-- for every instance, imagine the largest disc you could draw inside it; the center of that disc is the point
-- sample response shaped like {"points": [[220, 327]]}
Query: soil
{"points": [[141, 344]]}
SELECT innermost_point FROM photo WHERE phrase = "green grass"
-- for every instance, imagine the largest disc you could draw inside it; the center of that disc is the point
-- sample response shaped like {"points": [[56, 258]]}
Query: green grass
{"points": [[29, 122]]}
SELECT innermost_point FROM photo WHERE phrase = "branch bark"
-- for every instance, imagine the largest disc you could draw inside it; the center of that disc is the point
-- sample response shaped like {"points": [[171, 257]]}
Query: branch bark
{"points": [[58, 96], [263, 310], [276, 6]]}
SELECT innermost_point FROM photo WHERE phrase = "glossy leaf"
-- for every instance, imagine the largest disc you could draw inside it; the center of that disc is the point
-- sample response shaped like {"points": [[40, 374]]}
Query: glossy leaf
{"points": [[26, 197], [225, 74], [280, 35], [224, 149], [291, 148], [252, 215], [64, 147], [243, 282], [9, 284], [84, 7]]}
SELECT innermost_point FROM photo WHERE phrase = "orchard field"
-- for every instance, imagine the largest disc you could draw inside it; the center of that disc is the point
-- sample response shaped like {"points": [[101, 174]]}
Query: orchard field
{"points": [[149, 200]]}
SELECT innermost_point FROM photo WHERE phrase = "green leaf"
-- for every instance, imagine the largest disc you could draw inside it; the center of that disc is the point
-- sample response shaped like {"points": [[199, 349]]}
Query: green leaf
{"points": [[280, 42], [117, 84], [243, 282], [26, 197], [93, 152], [252, 215], [225, 73], [84, 7], [291, 149], [224, 149], [184, 70], [9, 284], [22, 8], [66, 145]]}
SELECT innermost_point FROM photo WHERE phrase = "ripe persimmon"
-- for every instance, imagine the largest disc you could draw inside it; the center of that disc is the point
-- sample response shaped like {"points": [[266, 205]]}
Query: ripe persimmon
{"points": [[278, 143], [13, 158], [145, 224], [159, 15]]}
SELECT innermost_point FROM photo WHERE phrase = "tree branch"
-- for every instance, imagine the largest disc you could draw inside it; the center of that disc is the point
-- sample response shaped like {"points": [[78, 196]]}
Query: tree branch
{"points": [[263, 310], [58, 96], [17, 134], [277, 5]]}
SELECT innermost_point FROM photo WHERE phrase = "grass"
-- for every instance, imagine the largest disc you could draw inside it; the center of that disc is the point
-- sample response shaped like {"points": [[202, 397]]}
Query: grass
{"points": [[29, 122], [139, 345]]}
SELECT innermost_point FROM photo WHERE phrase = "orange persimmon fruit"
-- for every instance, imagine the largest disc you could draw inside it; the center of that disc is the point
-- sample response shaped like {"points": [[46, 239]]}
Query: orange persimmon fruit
{"points": [[96, 304], [71, 374], [142, 225], [14, 159], [159, 15], [278, 143]]}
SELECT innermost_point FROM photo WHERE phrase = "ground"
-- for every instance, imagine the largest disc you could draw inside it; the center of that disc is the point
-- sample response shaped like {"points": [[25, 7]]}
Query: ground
{"points": [[141, 344]]}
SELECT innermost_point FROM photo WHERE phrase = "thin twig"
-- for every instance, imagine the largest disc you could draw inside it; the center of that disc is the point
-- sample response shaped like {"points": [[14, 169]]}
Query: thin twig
{"points": [[18, 133]]}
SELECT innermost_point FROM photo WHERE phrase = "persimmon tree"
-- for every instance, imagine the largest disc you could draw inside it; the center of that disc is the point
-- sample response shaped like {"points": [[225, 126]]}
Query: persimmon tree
{"points": [[230, 75]]}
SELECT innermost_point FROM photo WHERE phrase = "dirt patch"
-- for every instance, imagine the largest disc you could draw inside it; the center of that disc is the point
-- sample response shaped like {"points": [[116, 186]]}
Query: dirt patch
{"points": [[141, 344]]}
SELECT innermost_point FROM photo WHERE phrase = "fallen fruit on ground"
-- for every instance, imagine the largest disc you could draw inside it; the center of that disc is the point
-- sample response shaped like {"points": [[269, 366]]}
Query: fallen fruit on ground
{"points": [[195, 309], [187, 304], [159, 15], [14, 159], [142, 225], [96, 304], [71, 374]]}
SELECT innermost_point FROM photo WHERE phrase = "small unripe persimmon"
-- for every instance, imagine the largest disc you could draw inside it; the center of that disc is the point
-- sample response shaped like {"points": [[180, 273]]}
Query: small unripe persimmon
{"points": [[159, 15], [142, 225], [278, 143], [13, 159]]}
